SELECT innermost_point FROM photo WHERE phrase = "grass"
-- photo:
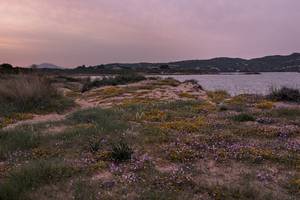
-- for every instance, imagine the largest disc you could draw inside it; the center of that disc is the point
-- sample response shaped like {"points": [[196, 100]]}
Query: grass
{"points": [[84, 191], [30, 93], [285, 94], [218, 96], [265, 105], [154, 149], [289, 113], [17, 140], [121, 152], [244, 117], [105, 120], [31, 176]]}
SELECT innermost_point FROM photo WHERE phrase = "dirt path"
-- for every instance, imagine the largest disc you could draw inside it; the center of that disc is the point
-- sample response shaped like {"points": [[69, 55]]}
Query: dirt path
{"points": [[52, 117]]}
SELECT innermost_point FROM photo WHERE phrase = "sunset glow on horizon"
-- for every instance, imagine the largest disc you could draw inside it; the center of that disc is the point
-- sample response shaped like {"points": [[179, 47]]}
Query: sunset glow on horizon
{"points": [[75, 32]]}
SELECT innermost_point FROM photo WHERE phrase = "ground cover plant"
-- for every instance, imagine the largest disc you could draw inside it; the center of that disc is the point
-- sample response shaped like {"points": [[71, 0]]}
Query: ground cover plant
{"points": [[163, 148]]}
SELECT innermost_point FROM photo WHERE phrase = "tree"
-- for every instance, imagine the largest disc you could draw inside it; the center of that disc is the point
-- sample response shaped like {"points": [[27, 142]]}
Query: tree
{"points": [[6, 68]]}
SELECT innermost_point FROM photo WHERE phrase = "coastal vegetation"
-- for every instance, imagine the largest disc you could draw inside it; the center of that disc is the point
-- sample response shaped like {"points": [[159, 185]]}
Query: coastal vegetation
{"points": [[24, 95], [117, 80], [144, 138], [285, 94]]}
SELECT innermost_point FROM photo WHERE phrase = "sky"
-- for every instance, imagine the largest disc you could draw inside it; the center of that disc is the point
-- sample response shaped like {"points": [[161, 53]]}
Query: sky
{"points": [[75, 32]]}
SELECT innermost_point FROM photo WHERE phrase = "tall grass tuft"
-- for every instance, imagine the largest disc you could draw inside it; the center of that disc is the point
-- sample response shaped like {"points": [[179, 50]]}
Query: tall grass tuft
{"points": [[284, 94], [30, 93], [121, 152]]}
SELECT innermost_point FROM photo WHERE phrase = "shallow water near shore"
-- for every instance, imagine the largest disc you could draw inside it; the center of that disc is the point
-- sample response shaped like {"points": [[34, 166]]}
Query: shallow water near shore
{"points": [[244, 83]]}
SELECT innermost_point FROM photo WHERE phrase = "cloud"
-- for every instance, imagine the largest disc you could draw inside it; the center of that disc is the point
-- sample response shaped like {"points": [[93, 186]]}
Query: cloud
{"points": [[73, 32]]}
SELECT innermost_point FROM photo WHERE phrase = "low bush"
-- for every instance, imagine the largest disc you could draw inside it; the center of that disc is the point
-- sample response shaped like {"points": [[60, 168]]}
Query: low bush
{"points": [[288, 113], [284, 94], [117, 80], [30, 93], [218, 96], [243, 117]]}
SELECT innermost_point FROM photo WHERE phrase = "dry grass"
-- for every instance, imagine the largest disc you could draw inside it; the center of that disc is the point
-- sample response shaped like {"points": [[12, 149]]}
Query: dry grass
{"points": [[29, 93]]}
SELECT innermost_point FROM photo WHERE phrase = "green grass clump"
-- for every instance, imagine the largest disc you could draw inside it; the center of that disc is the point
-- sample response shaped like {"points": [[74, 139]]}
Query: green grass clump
{"points": [[32, 176], [105, 120], [121, 152], [285, 94], [289, 113], [243, 117], [17, 140]]}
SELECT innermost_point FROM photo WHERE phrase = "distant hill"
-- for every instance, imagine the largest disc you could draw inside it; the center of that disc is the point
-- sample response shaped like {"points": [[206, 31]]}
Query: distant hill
{"points": [[47, 66], [276, 63]]}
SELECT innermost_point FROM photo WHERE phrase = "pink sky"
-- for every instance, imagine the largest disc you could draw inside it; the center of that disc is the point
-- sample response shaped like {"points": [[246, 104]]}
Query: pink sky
{"points": [[75, 32]]}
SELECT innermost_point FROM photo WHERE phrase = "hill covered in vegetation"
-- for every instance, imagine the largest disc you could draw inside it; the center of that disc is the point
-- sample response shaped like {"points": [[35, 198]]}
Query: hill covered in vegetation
{"points": [[276, 63]]}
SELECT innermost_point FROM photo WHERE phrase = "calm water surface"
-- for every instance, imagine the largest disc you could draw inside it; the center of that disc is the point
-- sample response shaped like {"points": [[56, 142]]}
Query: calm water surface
{"points": [[244, 83]]}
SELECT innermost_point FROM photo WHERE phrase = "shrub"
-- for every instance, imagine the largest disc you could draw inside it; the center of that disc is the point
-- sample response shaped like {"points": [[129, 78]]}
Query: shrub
{"points": [[243, 117], [30, 93], [121, 152], [117, 80], [32, 176], [285, 94], [167, 81], [94, 145], [218, 95], [290, 113]]}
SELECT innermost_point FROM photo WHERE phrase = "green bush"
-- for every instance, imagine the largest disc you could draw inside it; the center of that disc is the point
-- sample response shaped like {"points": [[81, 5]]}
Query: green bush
{"points": [[117, 80], [243, 117], [285, 94]]}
